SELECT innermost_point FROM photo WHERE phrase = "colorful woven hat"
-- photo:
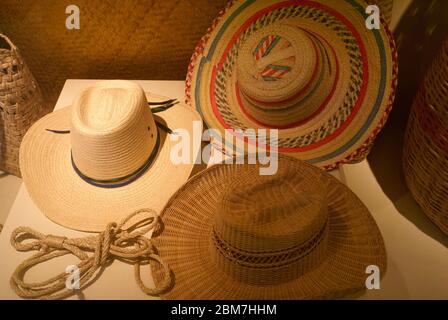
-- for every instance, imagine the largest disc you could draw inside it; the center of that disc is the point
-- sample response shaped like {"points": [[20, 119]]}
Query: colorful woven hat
{"points": [[114, 158], [311, 69], [230, 233]]}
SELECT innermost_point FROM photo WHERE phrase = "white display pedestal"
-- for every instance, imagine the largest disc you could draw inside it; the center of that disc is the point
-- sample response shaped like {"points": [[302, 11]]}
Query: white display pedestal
{"points": [[417, 264]]}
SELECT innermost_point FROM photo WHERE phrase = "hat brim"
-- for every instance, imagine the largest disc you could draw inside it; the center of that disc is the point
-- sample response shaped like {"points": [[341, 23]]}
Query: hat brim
{"points": [[65, 198], [341, 130], [354, 243]]}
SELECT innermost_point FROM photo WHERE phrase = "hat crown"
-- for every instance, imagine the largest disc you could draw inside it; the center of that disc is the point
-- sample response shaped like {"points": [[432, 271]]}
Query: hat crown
{"points": [[275, 62], [278, 67], [113, 131], [271, 222]]}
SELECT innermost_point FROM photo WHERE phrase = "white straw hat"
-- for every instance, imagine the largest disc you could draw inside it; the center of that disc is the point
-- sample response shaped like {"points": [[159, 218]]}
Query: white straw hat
{"points": [[114, 158]]}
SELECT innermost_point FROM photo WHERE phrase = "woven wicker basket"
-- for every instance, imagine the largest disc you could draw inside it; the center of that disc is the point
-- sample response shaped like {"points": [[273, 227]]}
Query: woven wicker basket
{"points": [[21, 104], [425, 160]]}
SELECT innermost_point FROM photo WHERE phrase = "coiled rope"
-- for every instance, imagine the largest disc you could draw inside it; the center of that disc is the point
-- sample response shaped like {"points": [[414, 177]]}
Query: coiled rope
{"points": [[115, 241]]}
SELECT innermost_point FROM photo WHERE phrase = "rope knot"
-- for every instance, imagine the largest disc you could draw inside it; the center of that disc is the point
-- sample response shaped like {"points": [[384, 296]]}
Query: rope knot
{"points": [[51, 241]]}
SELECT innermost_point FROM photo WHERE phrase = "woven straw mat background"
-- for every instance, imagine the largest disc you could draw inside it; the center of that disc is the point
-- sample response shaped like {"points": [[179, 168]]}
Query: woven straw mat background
{"points": [[132, 39]]}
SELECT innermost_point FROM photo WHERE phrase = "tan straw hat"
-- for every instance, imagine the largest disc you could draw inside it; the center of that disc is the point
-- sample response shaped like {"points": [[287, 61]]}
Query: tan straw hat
{"points": [[230, 233], [106, 155], [311, 69]]}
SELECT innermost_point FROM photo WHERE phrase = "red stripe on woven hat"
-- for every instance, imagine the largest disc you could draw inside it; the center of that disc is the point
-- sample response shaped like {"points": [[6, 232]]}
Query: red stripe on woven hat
{"points": [[269, 72], [283, 73], [262, 48], [266, 44]]}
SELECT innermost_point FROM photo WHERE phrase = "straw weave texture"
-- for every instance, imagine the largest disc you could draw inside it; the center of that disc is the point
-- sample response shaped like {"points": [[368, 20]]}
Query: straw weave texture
{"points": [[132, 39], [366, 74], [21, 104], [302, 237], [425, 159]]}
